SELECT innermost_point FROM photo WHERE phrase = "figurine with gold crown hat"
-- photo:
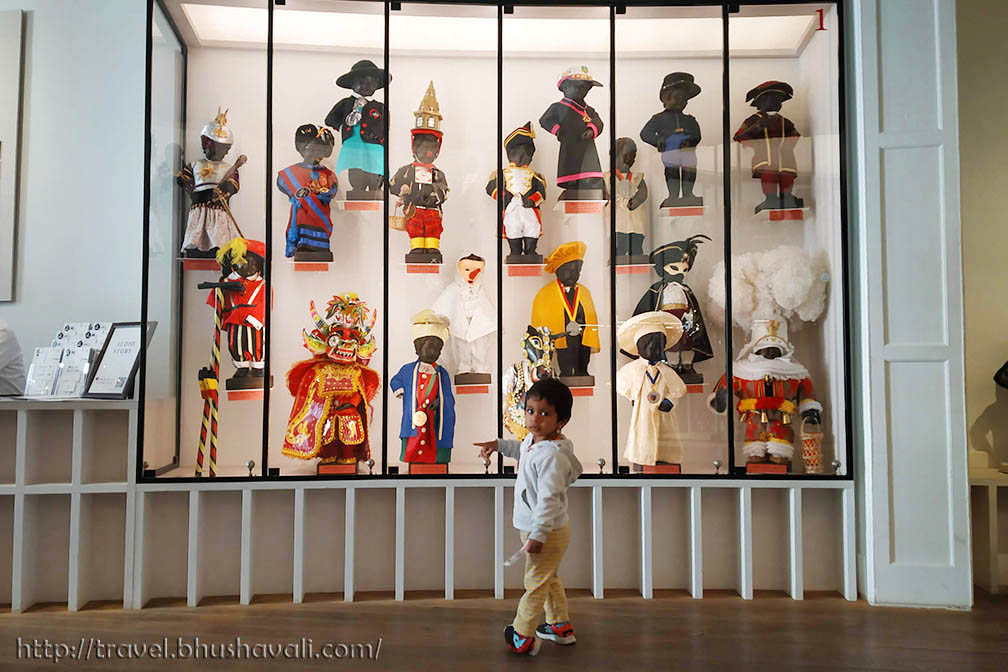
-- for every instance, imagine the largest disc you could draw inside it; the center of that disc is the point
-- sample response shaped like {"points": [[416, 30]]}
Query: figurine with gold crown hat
{"points": [[333, 391], [420, 186], [210, 183], [524, 190]]}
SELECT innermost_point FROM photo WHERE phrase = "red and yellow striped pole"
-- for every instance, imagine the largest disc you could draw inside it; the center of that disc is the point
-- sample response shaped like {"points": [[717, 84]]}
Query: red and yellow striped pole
{"points": [[209, 392]]}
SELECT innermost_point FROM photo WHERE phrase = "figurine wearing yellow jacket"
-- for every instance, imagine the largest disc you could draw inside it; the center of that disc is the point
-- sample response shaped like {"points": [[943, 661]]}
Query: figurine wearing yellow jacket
{"points": [[563, 302]]}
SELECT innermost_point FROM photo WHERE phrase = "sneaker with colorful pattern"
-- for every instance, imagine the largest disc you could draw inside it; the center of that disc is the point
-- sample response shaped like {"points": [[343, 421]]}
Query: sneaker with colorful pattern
{"points": [[561, 633], [523, 646]]}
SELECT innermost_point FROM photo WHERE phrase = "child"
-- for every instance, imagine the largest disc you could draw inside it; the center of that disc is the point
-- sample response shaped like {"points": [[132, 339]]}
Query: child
{"points": [[546, 468]]}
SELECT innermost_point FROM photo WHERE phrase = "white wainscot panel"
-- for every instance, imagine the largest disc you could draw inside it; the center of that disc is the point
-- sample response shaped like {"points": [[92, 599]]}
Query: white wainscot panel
{"points": [[914, 253], [918, 498], [908, 68]]}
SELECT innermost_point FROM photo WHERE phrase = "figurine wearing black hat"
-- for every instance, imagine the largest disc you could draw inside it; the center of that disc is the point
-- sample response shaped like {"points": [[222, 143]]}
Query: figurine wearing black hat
{"points": [[361, 121], [672, 262], [675, 135], [524, 192], [576, 125], [310, 188], [772, 137]]}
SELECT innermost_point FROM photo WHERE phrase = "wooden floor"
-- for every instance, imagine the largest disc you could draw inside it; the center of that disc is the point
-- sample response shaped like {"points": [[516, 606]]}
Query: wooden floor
{"points": [[623, 632]]}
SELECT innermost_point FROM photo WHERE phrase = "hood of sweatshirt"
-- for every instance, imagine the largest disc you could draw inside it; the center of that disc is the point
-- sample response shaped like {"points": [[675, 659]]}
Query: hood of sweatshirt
{"points": [[565, 447]]}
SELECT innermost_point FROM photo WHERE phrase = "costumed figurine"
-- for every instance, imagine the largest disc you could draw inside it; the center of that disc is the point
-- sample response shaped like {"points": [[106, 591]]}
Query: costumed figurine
{"points": [[672, 262], [428, 422], [565, 306], [310, 187], [537, 346], [772, 137], [210, 183], [576, 125], [421, 186], [771, 291], [361, 121], [653, 386], [334, 389], [473, 321], [524, 192], [631, 194], [772, 389], [244, 310], [676, 135]]}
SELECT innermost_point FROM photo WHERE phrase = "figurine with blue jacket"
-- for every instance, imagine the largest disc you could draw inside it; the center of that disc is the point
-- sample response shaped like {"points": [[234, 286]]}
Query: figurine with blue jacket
{"points": [[428, 422], [310, 188]]}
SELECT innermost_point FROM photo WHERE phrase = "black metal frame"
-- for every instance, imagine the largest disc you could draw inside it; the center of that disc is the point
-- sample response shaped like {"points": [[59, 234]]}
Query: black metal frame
{"points": [[615, 8]]}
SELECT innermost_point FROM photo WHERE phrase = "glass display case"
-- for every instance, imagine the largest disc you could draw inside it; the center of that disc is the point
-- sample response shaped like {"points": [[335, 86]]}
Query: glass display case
{"points": [[373, 225]]}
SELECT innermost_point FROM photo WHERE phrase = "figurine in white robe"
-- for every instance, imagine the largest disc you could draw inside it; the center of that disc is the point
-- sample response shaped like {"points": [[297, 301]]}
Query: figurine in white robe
{"points": [[653, 386], [473, 321]]}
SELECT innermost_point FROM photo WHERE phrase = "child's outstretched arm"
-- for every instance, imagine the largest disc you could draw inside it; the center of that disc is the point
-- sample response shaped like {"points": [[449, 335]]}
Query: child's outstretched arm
{"points": [[506, 447]]}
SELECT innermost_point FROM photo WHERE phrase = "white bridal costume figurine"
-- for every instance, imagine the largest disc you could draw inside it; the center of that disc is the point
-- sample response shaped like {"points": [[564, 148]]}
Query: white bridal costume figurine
{"points": [[473, 321]]}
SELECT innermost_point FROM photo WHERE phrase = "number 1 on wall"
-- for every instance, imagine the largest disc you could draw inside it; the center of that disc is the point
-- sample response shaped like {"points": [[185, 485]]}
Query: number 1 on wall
{"points": [[821, 26]]}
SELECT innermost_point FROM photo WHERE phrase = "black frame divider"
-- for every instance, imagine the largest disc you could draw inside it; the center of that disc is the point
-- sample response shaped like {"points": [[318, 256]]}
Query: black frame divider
{"points": [[727, 7], [726, 185], [612, 242], [268, 240]]}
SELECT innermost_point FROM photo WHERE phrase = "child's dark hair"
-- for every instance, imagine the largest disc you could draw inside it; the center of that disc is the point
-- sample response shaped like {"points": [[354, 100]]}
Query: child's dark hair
{"points": [[554, 393]]}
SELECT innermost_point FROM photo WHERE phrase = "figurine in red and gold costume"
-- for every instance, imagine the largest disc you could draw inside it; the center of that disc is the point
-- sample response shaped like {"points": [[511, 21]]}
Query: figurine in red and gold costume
{"points": [[333, 390], [422, 186], [771, 389], [243, 310]]}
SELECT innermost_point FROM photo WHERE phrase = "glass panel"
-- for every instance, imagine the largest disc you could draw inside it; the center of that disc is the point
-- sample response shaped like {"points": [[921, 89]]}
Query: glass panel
{"points": [[443, 61], [224, 163], [556, 78], [329, 116], [160, 441], [787, 294], [669, 237]]}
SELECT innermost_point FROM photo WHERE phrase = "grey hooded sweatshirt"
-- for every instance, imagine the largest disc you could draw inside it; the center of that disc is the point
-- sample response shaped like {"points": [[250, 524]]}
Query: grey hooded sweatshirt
{"points": [[545, 471]]}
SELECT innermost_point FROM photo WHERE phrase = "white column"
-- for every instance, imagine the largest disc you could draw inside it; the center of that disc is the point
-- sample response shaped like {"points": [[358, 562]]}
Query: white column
{"points": [[696, 542], [796, 566], [299, 522], [647, 559], [745, 579], [909, 303], [245, 581], [400, 543], [193, 591], [348, 545], [598, 550], [449, 547]]}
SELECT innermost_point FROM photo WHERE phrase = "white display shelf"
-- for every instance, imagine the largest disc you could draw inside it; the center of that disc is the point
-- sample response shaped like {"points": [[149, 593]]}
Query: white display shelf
{"points": [[117, 539], [72, 494]]}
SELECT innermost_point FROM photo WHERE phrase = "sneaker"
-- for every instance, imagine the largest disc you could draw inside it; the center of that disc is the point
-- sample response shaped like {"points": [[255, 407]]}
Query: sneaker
{"points": [[523, 646], [561, 633]]}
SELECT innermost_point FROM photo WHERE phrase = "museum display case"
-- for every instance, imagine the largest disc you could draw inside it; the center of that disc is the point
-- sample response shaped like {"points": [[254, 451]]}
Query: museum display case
{"points": [[591, 191]]}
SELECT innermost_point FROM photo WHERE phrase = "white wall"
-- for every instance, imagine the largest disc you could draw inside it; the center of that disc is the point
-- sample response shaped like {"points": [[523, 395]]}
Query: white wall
{"points": [[81, 194]]}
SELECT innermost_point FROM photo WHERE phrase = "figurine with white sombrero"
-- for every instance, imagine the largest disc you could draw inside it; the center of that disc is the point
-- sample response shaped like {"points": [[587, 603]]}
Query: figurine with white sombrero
{"points": [[653, 387]]}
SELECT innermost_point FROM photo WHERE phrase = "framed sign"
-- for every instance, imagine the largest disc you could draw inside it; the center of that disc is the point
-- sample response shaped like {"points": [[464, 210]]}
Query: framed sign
{"points": [[115, 368]]}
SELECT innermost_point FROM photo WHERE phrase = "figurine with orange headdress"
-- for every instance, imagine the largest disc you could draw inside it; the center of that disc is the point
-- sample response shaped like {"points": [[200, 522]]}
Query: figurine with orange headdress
{"points": [[333, 390]]}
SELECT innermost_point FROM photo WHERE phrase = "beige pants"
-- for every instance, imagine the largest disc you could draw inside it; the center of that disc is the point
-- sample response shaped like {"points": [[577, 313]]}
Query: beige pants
{"points": [[543, 588]]}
